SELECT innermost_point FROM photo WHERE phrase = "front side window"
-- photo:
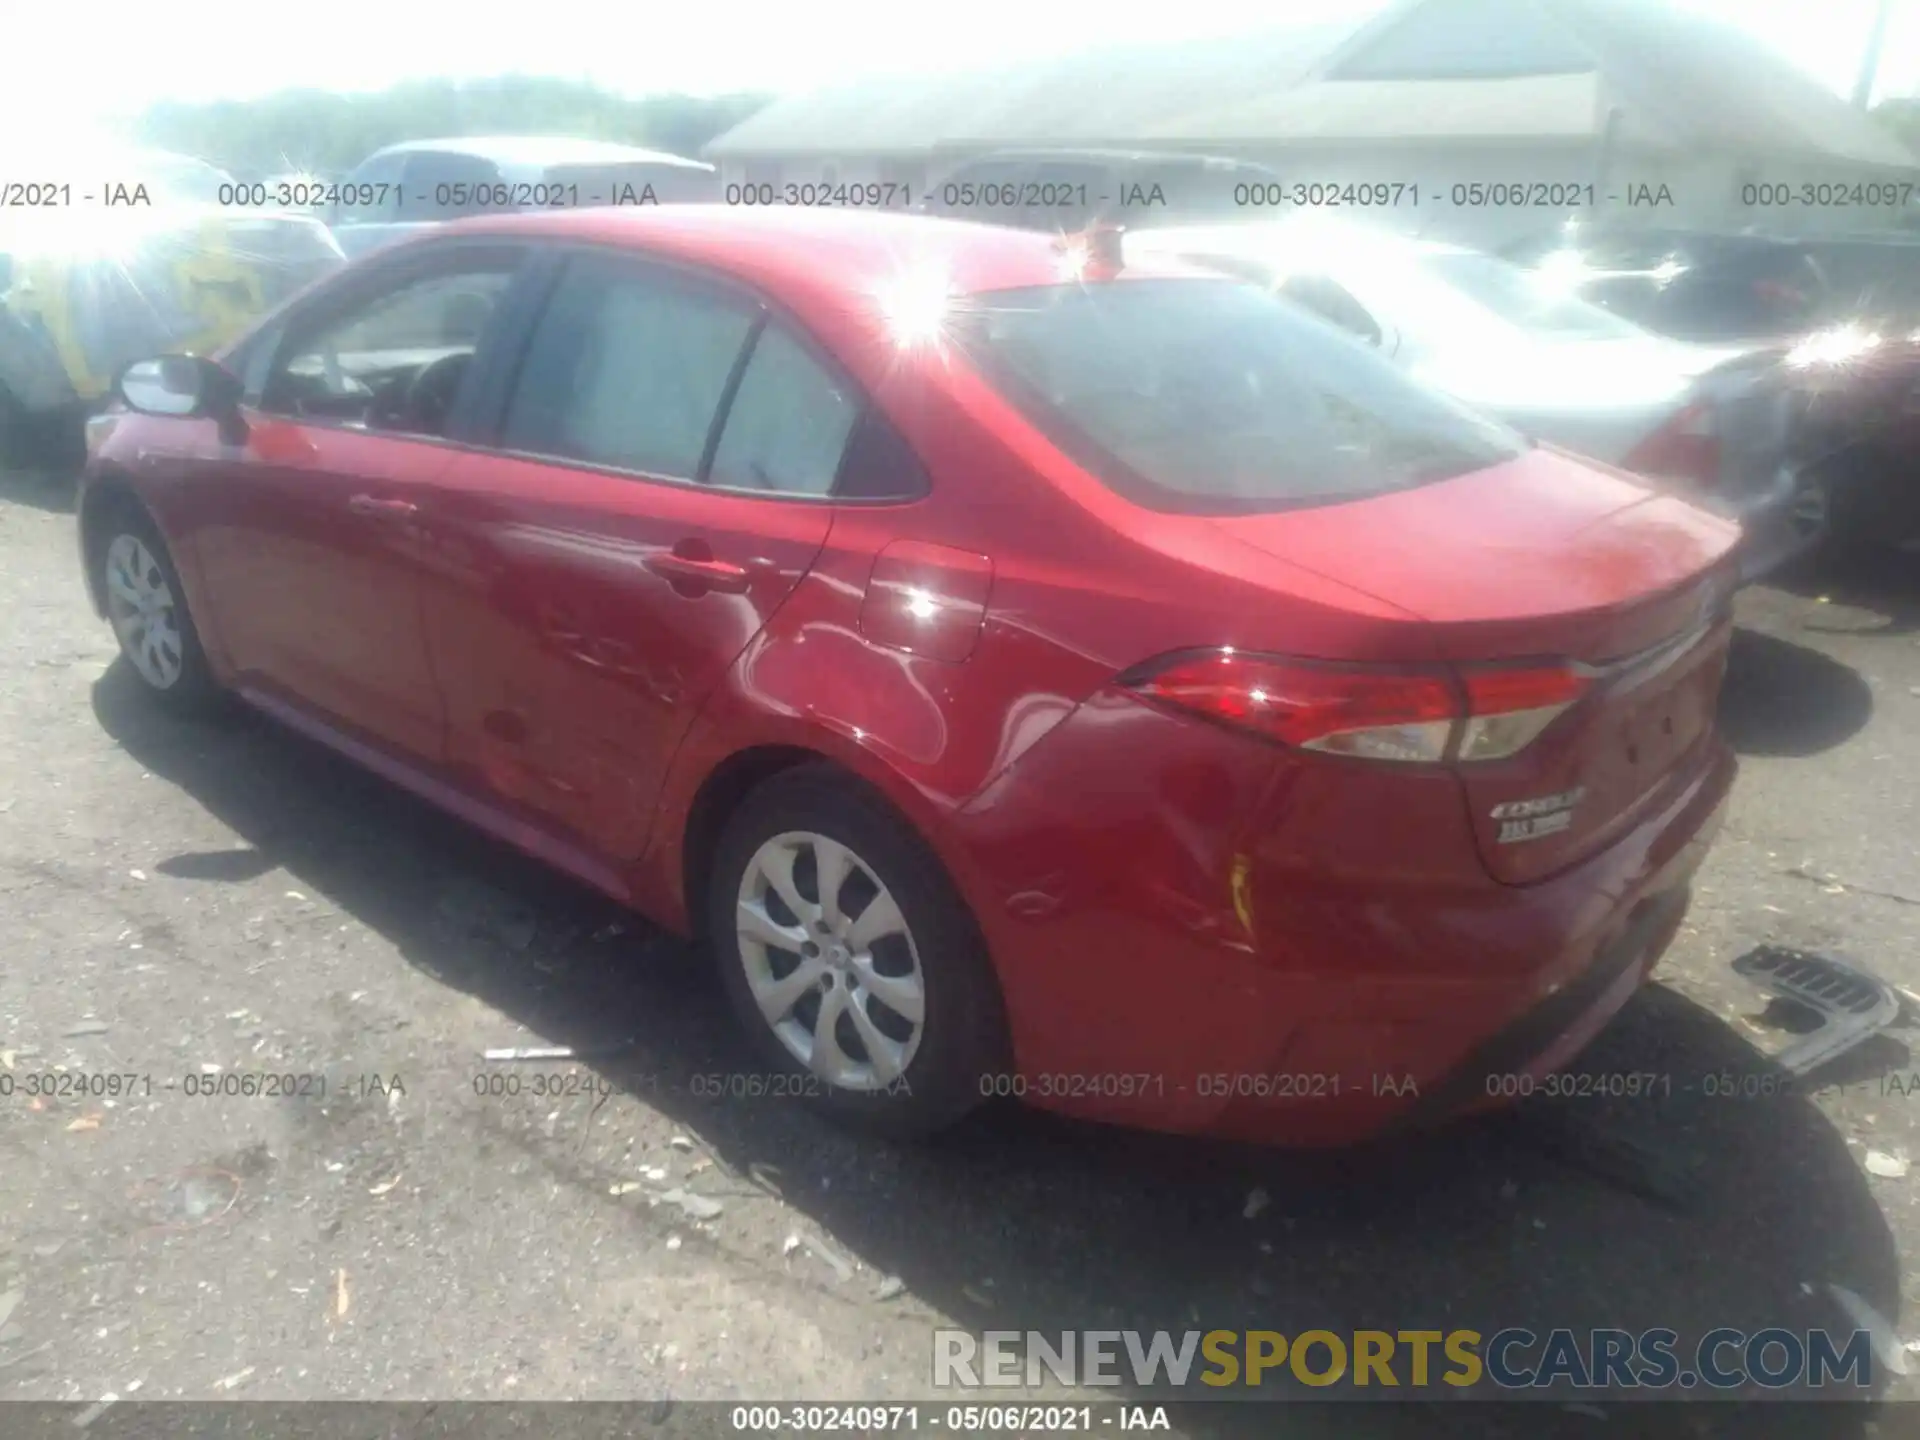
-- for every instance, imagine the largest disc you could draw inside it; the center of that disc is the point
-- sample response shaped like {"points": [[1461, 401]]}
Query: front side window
{"points": [[627, 368], [788, 424], [394, 361], [1210, 396]]}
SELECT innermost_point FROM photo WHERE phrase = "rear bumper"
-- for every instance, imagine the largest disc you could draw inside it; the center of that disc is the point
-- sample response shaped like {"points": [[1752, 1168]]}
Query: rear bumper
{"points": [[1348, 969], [1551, 1034]]}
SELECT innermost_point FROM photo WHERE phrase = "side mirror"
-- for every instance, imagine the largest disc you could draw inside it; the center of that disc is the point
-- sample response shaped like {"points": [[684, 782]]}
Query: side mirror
{"points": [[186, 387]]}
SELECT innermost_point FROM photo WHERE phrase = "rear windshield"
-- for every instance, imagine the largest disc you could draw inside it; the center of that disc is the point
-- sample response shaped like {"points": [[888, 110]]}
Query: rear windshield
{"points": [[1213, 397]]}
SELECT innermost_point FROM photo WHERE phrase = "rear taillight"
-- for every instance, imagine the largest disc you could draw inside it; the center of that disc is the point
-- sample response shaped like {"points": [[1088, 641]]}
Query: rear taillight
{"points": [[1686, 448], [1366, 712], [1508, 707]]}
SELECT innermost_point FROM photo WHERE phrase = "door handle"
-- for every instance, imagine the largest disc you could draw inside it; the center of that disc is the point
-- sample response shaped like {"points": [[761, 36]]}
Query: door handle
{"points": [[721, 575], [382, 509]]}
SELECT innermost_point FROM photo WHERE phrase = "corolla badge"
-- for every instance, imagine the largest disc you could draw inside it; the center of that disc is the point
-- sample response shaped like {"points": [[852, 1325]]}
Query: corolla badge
{"points": [[1532, 819]]}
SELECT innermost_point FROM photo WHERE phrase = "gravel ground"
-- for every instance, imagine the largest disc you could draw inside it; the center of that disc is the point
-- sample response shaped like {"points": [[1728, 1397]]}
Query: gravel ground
{"points": [[176, 897]]}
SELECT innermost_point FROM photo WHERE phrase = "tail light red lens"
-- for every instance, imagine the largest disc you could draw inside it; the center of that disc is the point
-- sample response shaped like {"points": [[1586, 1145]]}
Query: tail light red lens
{"points": [[1366, 712], [1686, 448]]}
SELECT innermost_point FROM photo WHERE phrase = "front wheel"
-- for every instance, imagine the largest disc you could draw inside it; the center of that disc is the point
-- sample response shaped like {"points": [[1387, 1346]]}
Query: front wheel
{"points": [[147, 608], [851, 959]]}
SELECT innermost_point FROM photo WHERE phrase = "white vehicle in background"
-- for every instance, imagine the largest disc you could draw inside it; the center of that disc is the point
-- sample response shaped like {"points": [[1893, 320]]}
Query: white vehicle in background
{"points": [[299, 190], [407, 187], [1717, 420]]}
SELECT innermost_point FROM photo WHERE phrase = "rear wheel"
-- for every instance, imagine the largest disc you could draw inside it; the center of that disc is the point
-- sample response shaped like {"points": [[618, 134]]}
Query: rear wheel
{"points": [[850, 958], [147, 608]]}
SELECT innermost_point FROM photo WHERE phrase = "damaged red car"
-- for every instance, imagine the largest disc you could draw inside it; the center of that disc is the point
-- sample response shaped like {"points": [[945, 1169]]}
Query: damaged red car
{"points": [[1108, 687]]}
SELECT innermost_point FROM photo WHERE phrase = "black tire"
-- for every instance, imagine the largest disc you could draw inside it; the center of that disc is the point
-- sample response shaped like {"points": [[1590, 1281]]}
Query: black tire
{"points": [[194, 691], [1871, 505], [962, 1042]]}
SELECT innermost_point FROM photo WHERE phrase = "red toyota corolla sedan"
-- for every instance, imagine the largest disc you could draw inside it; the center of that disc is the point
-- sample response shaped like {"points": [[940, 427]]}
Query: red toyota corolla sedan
{"points": [[1111, 688]]}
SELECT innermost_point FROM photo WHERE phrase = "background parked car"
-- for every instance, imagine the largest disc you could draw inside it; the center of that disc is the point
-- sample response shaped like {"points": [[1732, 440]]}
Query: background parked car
{"points": [[1067, 190], [301, 190], [1688, 284], [1855, 302], [403, 188], [1721, 421], [143, 252]]}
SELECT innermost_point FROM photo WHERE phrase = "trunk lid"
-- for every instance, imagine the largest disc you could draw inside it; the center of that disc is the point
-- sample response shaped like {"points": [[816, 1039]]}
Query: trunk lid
{"points": [[1548, 558]]}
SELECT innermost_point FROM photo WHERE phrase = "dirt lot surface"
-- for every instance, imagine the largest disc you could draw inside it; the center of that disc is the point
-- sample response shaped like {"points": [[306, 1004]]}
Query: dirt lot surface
{"points": [[189, 901]]}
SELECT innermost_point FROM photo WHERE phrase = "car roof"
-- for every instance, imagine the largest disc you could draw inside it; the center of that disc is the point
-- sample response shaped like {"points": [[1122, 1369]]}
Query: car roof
{"points": [[541, 150], [817, 260]]}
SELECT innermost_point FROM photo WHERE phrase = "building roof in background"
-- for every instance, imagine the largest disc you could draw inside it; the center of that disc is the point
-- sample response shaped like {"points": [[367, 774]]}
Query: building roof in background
{"points": [[1111, 94], [1421, 70], [1723, 87]]}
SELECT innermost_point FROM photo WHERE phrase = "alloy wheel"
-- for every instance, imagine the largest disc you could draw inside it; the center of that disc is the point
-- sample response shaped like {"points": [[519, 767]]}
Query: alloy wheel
{"points": [[831, 961], [144, 612]]}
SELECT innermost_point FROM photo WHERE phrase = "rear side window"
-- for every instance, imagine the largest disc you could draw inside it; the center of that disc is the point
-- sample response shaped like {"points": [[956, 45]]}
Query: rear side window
{"points": [[1207, 396], [627, 368], [788, 424], [879, 464]]}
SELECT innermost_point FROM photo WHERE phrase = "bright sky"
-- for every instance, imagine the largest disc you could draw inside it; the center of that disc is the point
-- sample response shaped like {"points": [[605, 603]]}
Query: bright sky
{"points": [[109, 57]]}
